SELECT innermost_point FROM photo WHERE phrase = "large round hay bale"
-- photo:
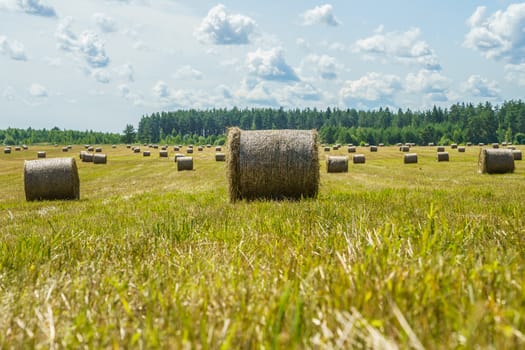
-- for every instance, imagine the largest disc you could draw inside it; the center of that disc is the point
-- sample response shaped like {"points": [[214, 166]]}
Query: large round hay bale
{"points": [[100, 158], [87, 157], [176, 149], [200, 148], [25, 147], [469, 144], [410, 158], [441, 149], [220, 157], [163, 153], [272, 164], [177, 156], [17, 148], [495, 161], [358, 159], [351, 149], [41, 154], [53, 178], [442, 156], [517, 154], [337, 164], [184, 163], [136, 150], [91, 149]]}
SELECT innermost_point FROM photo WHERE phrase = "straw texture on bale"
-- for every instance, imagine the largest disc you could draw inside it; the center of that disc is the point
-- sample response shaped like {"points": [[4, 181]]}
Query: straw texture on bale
{"points": [[176, 149], [441, 149], [373, 148], [65, 149], [184, 163], [454, 146], [410, 158], [327, 149], [87, 157], [98, 149], [54, 178], [146, 153], [272, 164], [359, 159], [41, 154], [495, 145], [461, 149], [337, 164], [442, 156], [220, 157], [218, 149], [404, 148], [495, 161], [177, 156], [136, 150], [351, 149], [163, 153], [517, 154], [7, 150], [100, 158], [189, 150]]}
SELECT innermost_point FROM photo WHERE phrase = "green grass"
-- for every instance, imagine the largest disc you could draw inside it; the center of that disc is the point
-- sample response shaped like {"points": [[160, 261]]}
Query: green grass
{"points": [[427, 255]]}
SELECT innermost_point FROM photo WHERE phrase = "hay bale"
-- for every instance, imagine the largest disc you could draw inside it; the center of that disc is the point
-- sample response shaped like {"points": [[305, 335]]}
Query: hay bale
{"points": [[351, 149], [504, 144], [54, 178], [441, 149], [128, 146], [454, 146], [461, 149], [327, 149], [87, 157], [495, 145], [41, 154], [469, 144], [431, 144], [25, 148], [373, 148], [163, 153], [358, 159], [442, 156], [176, 149], [495, 161], [146, 153], [410, 158], [7, 150], [189, 150], [337, 164], [184, 163], [100, 158], [517, 154], [91, 149], [65, 149], [17, 148], [82, 154], [381, 145], [511, 148], [98, 150], [404, 148], [177, 156], [272, 164], [220, 157], [113, 146], [200, 148], [335, 147], [218, 149]]}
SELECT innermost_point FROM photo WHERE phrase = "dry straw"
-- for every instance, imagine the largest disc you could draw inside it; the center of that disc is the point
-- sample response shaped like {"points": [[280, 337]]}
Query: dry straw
{"points": [[495, 161], [98, 149], [41, 154], [359, 159], [272, 164], [54, 178], [100, 158], [517, 154], [184, 163], [7, 150], [442, 156], [220, 157], [189, 150], [87, 157], [351, 149], [373, 148], [410, 158], [146, 153], [337, 164], [441, 149], [461, 149], [404, 148], [163, 153], [218, 149]]}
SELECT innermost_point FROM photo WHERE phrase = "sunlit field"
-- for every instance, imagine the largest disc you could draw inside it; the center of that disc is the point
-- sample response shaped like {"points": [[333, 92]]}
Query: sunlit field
{"points": [[390, 255]]}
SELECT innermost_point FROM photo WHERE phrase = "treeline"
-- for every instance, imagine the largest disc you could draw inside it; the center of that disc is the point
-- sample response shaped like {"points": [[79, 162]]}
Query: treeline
{"points": [[460, 123], [29, 136]]}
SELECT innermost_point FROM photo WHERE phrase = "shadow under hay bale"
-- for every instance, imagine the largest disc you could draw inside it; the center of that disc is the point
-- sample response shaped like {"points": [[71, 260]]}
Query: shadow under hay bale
{"points": [[517, 154], [495, 161], [220, 157], [184, 163], [41, 154], [337, 164], [359, 159], [54, 178], [442, 157], [272, 164], [410, 158], [100, 158]]}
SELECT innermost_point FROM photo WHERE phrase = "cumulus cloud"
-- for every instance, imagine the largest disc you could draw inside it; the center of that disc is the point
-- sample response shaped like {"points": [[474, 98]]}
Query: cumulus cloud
{"points": [[12, 48], [88, 44], [126, 71], [31, 7], [125, 92], [37, 90], [303, 92], [405, 47], [481, 87], [161, 90], [105, 23], [101, 75], [500, 36], [188, 73], [515, 73], [270, 65], [320, 15], [326, 66], [372, 90], [223, 28], [256, 92], [431, 83]]}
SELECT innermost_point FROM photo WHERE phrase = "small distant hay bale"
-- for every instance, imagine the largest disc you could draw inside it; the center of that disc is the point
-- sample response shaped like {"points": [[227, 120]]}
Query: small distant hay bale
{"points": [[495, 161], [100, 158], [87, 157], [351, 149], [155, 146], [337, 164], [381, 145], [128, 146], [404, 148], [189, 150], [495, 145], [54, 178], [86, 146], [481, 144], [373, 148], [177, 156], [335, 148], [504, 144], [399, 144], [517, 154], [82, 154], [441, 148], [200, 148], [208, 145], [91, 149], [410, 158], [218, 149], [136, 150], [113, 146], [461, 149], [367, 145], [454, 146], [41, 154], [65, 149], [272, 164], [184, 163], [163, 153], [98, 149], [358, 159], [442, 157], [25, 148], [511, 148], [327, 149], [17, 148], [146, 153], [7, 150], [220, 157], [469, 144], [176, 149], [431, 144]]}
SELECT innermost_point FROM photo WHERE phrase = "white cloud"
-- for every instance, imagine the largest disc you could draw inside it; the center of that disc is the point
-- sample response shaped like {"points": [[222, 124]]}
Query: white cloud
{"points": [[256, 92], [101, 75], [12, 48], [373, 89], [320, 15], [500, 36], [188, 73], [161, 90], [270, 65], [126, 71], [88, 45], [37, 90], [303, 92], [106, 23], [404, 47], [222, 28], [302, 43], [32, 7], [326, 66], [125, 92], [515, 73], [431, 83], [481, 87], [9, 93]]}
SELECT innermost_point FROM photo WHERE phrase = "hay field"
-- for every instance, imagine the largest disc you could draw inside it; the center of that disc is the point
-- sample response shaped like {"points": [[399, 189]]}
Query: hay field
{"points": [[390, 255]]}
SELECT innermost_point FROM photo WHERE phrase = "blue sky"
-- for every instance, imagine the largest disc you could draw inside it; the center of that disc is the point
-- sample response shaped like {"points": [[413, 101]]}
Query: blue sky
{"points": [[101, 64]]}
